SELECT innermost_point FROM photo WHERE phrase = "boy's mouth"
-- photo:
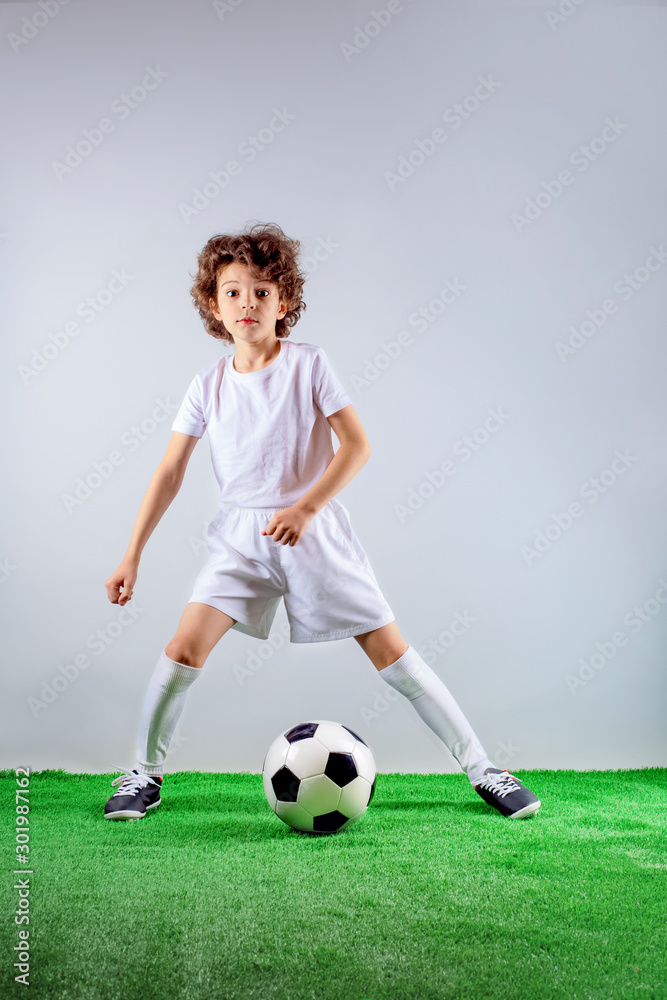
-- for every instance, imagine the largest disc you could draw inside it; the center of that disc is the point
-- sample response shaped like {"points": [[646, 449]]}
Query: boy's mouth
{"points": [[247, 321]]}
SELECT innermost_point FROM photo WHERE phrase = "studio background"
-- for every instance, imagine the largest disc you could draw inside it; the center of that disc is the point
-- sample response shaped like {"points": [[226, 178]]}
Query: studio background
{"points": [[479, 191]]}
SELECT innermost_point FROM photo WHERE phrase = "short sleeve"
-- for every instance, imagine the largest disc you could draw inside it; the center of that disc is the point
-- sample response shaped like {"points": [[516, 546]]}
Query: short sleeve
{"points": [[328, 393], [190, 417]]}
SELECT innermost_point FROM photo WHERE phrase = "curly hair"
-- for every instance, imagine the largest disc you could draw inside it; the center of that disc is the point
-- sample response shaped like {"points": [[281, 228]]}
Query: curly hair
{"points": [[269, 254]]}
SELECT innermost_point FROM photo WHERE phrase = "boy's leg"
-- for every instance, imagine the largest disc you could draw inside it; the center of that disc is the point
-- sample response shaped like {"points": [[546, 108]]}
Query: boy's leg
{"points": [[180, 663], [407, 672], [401, 666]]}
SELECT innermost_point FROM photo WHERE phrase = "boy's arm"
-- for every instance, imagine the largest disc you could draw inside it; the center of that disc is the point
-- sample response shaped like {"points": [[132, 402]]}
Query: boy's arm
{"points": [[163, 487], [352, 455]]}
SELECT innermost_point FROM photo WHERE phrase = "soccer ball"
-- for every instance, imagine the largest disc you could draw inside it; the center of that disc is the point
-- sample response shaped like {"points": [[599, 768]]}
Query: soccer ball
{"points": [[319, 777]]}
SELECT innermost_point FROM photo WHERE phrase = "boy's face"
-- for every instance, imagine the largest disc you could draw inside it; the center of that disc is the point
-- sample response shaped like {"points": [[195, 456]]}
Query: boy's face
{"points": [[240, 295]]}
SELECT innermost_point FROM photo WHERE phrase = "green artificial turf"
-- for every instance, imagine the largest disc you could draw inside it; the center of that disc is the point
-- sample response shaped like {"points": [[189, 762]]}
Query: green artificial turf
{"points": [[431, 894]]}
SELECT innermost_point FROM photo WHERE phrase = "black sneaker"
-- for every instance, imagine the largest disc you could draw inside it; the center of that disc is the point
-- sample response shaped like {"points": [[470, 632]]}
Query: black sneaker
{"points": [[510, 797], [137, 793]]}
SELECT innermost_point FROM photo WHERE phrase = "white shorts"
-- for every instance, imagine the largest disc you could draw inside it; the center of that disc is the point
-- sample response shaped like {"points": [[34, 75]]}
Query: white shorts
{"points": [[326, 580]]}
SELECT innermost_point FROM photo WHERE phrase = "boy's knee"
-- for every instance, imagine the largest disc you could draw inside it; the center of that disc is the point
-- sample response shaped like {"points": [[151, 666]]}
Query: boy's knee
{"points": [[177, 651]]}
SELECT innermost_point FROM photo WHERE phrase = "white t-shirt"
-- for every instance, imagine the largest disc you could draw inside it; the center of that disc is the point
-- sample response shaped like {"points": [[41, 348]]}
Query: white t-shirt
{"points": [[268, 435]]}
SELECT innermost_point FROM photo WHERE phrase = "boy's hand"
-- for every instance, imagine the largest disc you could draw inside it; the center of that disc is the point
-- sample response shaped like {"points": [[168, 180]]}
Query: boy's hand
{"points": [[289, 525], [124, 577]]}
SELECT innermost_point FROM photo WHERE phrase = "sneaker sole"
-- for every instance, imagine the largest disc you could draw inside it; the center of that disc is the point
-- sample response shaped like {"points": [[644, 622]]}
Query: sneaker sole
{"points": [[528, 810], [129, 814]]}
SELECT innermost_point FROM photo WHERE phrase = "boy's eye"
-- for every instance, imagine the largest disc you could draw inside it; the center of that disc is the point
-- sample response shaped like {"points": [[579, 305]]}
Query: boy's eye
{"points": [[260, 291]]}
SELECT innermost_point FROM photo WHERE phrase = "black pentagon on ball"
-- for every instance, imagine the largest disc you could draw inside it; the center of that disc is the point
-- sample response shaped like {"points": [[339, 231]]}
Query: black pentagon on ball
{"points": [[341, 768], [352, 733], [285, 785], [301, 732], [329, 822]]}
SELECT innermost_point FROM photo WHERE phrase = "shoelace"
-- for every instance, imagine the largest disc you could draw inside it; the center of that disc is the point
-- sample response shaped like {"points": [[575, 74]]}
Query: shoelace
{"points": [[129, 782], [502, 784]]}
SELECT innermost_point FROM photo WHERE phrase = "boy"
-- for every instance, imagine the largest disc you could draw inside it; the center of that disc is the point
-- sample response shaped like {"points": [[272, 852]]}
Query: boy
{"points": [[279, 532]]}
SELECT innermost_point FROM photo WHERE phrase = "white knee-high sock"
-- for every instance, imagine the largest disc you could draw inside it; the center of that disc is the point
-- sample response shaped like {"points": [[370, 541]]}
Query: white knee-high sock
{"points": [[163, 705], [410, 675]]}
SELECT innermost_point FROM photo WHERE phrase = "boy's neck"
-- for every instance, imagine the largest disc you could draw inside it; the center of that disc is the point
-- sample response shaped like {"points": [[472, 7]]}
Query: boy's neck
{"points": [[254, 357]]}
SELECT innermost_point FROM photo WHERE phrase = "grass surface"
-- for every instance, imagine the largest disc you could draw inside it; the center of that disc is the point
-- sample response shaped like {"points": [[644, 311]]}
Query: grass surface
{"points": [[432, 894]]}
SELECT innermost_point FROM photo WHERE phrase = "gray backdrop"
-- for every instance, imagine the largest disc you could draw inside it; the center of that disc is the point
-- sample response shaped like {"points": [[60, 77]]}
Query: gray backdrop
{"points": [[480, 194]]}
